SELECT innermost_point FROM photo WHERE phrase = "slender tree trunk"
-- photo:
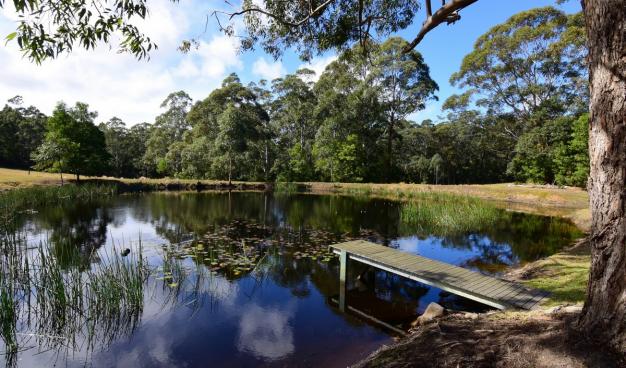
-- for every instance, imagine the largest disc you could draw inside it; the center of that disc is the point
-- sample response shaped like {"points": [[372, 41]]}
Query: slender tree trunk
{"points": [[62, 178], [604, 314], [267, 163], [77, 177], [389, 150], [230, 169]]}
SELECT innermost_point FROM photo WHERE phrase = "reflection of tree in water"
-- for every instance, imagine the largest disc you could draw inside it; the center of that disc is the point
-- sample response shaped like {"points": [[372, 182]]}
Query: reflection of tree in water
{"points": [[174, 214], [514, 238], [77, 231], [178, 214], [492, 257]]}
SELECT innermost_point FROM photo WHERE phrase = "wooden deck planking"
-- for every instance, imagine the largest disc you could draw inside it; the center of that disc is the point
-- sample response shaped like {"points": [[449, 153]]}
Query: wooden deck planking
{"points": [[486, 289]]}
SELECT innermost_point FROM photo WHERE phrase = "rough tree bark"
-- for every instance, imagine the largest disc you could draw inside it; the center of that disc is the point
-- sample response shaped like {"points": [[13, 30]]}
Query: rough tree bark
{"points": [[604, 313]]}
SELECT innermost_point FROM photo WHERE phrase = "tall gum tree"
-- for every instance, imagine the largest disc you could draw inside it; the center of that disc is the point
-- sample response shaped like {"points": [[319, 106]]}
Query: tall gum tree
{"points": [[604, 313], [316, 26]]}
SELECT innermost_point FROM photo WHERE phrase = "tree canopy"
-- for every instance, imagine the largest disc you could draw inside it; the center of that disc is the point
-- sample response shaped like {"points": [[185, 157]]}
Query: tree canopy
{"points": [[72, 143], [48, 28]]}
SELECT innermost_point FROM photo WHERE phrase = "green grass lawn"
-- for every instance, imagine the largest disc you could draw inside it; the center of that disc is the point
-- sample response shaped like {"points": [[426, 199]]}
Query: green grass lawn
{"points": [[565, 275]]}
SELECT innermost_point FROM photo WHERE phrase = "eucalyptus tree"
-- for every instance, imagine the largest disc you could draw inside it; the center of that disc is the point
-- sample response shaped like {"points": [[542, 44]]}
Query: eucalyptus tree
{"points": [[136, 138], [21, 131], [350, 123], [403, 86], [531, 66], [435, 165], [267, 130], [211, 131], [115, 134], [168, 128], [530, 69], [73, 143], [292, 118], [237, 127]]}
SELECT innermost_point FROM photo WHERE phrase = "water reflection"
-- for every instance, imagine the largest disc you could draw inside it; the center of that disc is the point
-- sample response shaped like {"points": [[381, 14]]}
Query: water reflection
{"points": [[265, 332], [276, 306]]}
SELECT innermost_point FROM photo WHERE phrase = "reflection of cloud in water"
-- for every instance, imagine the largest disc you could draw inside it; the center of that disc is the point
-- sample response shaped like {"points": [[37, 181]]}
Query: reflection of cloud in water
{"points": [[159, 354], [265, 332]]}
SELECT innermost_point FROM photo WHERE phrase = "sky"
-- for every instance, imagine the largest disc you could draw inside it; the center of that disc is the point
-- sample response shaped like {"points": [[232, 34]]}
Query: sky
{"points": [[118, 85]]}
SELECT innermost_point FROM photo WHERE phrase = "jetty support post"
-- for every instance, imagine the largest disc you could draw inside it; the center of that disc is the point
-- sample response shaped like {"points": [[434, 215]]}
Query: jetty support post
{"points": [[343, 270]]}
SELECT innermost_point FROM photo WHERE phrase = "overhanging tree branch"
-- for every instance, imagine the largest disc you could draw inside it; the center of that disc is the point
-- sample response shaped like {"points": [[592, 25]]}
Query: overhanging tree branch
{"points": [[312, 13], [447, 13]]}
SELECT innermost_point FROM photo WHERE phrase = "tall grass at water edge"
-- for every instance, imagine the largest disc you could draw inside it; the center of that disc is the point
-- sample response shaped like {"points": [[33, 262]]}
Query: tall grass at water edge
{"points": [[31, 198], [66, 309], [41, 300], [16, 201], [440, 213]]}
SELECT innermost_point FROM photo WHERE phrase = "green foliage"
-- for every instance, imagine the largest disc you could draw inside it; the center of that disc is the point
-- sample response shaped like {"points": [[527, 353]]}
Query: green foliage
{"points": [[448, 214], [571, 159], [336, 25], [21, 132], [125, 146], [528, 65], [72, 143], [59, 26], [298, 167], [554, 153], [168, 128]]}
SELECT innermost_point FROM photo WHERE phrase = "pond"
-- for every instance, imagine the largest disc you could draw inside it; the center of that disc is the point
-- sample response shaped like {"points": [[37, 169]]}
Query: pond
{"points": [[245, 278]]}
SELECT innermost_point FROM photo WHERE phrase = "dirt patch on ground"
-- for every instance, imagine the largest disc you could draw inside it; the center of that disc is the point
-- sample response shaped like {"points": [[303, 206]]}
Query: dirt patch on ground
{"points": [[497, 340]]}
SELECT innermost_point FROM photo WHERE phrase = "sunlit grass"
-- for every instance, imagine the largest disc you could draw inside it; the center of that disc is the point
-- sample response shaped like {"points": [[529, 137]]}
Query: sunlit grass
{"points": [[440, 213], [564, 275]]}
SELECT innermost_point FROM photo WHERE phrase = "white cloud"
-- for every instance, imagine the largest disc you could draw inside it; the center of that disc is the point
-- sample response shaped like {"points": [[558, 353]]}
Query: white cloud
{"points": [[117, 84], [318, 64], [218, 55], [268, 70]]}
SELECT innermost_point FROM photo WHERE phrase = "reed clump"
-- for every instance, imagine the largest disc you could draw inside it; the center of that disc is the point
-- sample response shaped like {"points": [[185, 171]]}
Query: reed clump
{"points": [[25, 200], [62, 308], [31, 198], [439, 213]]}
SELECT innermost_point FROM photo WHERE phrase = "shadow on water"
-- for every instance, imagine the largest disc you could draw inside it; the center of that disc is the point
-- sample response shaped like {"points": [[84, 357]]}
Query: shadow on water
{"points": [[232, 279]]}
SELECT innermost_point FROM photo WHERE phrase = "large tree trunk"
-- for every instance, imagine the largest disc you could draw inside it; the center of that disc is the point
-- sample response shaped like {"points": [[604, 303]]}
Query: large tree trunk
{"points": [[604, 314]]}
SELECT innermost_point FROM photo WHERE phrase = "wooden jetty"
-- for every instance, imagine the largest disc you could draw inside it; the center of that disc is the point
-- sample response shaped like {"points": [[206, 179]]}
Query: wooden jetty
{"points": [[488, 290]]}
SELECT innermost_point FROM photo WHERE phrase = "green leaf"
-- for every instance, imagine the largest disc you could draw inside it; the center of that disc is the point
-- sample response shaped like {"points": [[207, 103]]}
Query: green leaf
{"points": [[11, 36]]}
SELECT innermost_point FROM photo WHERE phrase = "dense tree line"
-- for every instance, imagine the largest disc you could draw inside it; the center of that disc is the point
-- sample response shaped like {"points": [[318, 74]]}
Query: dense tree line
{"points": [[522, 117], [21, 132]]}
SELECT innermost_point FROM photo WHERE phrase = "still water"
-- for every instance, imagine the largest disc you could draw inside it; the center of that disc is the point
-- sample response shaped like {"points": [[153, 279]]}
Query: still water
{"points": [[272, 301]]}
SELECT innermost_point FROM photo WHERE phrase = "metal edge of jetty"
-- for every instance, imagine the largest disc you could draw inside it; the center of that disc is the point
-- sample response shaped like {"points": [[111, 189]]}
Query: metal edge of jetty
{"points": [[492, 291]]}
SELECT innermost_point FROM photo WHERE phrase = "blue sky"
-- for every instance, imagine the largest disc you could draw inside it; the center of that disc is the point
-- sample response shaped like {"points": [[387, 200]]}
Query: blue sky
{"points": [[117, 85]]}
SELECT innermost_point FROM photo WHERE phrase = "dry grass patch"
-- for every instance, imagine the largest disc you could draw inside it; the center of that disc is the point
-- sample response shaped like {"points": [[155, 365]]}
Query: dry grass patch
{"points": [[10, 178]]}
